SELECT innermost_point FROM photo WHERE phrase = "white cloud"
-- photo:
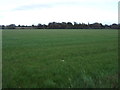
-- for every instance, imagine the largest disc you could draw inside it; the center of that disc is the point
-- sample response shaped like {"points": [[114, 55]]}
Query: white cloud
{"points": [[45, 11]]}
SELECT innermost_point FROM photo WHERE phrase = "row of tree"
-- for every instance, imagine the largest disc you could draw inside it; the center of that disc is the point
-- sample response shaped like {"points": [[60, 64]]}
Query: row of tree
{"points": [[63, 25]]}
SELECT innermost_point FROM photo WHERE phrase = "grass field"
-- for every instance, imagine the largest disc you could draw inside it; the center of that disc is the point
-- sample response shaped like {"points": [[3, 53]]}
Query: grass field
{"points": [[60, 58]]}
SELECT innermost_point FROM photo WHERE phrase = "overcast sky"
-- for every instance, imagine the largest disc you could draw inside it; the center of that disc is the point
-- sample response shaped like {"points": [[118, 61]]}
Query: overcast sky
{"points": [[28, 12]]}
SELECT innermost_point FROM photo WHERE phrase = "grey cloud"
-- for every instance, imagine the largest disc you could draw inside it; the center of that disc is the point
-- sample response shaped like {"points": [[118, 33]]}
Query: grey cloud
{"points": [[42, 6], [33, 6]]}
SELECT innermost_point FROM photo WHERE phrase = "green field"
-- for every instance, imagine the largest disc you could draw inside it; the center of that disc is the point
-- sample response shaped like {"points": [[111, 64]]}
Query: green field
{"points": [[60, 58]]}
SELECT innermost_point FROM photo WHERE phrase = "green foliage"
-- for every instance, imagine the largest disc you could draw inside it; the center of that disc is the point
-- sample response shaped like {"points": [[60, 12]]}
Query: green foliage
{"points": [[60, 58]]}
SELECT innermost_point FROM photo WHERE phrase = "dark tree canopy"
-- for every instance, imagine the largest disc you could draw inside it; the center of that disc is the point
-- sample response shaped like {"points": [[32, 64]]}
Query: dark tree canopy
{"points": [[63, 25]]}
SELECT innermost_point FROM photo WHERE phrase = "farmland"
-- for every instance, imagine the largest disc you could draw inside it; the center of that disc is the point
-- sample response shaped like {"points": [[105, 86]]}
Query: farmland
{"points": [[60, 58]]}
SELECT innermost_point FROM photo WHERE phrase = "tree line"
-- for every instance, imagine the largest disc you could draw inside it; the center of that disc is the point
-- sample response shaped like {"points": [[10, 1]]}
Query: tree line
{"points": [[63, 25]]}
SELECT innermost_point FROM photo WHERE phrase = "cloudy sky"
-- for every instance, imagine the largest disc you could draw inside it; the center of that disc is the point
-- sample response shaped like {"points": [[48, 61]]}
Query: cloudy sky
{"points": [[28, 12]]}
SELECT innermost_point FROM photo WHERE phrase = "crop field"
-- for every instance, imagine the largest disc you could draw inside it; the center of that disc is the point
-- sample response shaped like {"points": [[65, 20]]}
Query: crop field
{"points": [[60, 58]]}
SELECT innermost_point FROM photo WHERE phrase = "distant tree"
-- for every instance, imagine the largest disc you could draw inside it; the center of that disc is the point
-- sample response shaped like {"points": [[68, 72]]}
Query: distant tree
{"points": [[69, 25], [44, 26], [53, 25], [33, 25], [76, 25], [63, 25], [96, 26], [50, 25], [39, 26], [3, 26], [84, 26], [106, 26], [11, 26], [114, 26], [19, 26]]}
